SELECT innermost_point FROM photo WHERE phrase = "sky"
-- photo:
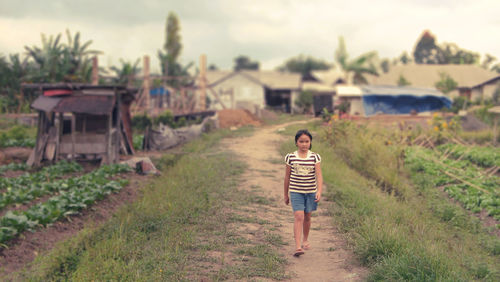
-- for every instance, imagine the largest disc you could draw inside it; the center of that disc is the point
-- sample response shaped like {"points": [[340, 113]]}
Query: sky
{"points": [[268, 31]]}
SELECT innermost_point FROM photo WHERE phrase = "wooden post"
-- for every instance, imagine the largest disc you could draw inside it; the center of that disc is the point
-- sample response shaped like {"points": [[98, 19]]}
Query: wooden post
{"points": [[495, 128], [183, 93], [203, 81], [146, 83], [95, 71], [73, 136], [109, 138], [60, 125], [118, 127]]}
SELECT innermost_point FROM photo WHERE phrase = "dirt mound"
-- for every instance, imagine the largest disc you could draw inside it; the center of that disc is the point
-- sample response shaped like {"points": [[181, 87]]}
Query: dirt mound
{"points": [[267, 114], [237, 118], [472, 123]]}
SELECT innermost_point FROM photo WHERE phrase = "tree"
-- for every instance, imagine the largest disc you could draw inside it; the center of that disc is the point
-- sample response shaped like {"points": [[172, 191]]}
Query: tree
{"points": [[455, 55], [244, 63], [356, 68], [402, 81], [171, 51], [126, 72], [385, 65], [427, 51], [446, 84], [405, 58], [488, 60], [57, 62], [212, 67], [304, 65]]}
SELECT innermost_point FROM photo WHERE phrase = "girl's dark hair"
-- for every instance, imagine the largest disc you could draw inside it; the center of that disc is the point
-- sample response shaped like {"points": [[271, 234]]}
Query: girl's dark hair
{"points": [[302, 132]]}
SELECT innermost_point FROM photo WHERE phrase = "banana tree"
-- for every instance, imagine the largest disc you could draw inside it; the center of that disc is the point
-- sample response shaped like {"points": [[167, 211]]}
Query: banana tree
{"points": [[356, 69]]}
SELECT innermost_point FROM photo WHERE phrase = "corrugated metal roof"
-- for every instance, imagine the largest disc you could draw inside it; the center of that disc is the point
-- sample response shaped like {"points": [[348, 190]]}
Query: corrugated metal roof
{"points": [[44, 103], [270, 79], [427, 75], [317, 87], [389, 90], [348, 91], [330, 76], [88, 104]]}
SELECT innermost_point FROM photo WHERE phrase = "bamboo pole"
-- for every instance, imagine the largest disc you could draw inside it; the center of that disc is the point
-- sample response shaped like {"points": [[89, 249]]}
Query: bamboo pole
{"points": [[146, 83], [203, 81], [95, 71]]}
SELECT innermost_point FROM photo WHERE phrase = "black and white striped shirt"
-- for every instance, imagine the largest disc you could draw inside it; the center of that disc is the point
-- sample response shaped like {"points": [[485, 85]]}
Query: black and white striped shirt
{"points": [[303, 172]]}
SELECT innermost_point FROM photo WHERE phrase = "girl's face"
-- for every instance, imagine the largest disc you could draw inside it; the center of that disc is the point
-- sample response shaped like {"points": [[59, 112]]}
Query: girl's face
{"points": [[303, 143]]}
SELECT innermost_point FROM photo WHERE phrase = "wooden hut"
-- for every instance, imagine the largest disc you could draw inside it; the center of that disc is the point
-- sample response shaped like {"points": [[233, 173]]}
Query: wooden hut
{"points": [[84, 122]]}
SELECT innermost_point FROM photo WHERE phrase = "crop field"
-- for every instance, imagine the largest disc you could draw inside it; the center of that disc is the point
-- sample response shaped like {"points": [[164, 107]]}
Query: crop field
{"points": [[68, 195], [461, 174]]}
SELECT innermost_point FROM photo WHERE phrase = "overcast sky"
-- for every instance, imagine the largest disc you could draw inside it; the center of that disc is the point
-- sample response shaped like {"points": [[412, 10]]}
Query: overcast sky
{"points": [[269, 31]]}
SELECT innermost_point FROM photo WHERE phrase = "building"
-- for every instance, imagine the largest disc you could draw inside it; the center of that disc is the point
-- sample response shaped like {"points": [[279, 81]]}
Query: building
{"points": [[423, 75], [78, 121], [253, 90]]}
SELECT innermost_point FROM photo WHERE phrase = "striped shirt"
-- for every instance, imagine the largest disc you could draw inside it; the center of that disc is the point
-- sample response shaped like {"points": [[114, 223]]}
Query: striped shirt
{"points": [[303, 172]]}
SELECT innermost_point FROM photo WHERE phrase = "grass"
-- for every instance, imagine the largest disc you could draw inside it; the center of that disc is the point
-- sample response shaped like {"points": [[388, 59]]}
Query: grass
{"points": [[177, 230], [398, 236]]}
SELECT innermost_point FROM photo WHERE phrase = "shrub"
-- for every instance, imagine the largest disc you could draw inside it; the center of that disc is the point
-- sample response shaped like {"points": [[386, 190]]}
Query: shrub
{"points": [[141, 122]]}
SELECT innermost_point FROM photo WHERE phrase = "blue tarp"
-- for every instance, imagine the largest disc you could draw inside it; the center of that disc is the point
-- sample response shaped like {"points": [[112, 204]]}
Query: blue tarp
{"points": [[402, 100], [160, 91]]}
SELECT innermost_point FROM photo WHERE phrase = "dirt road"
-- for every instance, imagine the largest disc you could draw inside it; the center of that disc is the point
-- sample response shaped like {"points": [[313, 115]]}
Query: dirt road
{"points": [[328, 259]]}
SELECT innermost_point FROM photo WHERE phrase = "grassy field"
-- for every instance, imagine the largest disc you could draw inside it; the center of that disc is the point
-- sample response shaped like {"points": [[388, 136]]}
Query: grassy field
{"points": [[394, 223], [178, 230]]}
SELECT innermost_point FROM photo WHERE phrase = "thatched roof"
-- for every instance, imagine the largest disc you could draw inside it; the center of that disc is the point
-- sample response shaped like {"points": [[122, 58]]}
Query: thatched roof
{"points": [[421, 75]]}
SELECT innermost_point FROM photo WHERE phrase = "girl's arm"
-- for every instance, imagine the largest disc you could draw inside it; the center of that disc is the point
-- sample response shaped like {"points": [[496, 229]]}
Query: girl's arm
{"points": [[319, 181], [288, 169]]}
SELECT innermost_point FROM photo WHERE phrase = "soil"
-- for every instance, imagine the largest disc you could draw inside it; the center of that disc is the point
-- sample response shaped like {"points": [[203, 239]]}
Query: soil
{"points": [[236, 117], [14, 154], [329, 258]]}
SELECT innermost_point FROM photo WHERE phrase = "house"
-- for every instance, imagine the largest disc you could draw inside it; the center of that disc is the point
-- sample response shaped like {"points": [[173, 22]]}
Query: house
{"points": [[483, 91], [422, 75], [350, 96], [253, 90], [323, 96], [79, 121]]}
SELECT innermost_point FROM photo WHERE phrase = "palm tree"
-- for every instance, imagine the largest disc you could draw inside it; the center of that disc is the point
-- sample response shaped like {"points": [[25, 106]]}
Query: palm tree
{"points": [[58, 62], [126, 73], [354, 70]]}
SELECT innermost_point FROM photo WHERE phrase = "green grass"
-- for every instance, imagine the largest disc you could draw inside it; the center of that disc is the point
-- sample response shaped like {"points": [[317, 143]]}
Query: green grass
{"points": [[399, 237], [169, 232]]}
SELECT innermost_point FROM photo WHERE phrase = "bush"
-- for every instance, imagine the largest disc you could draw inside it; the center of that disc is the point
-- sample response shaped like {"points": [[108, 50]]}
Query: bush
{"points": [[141, 122], [167, 118], [305, 101], [16, 136]]}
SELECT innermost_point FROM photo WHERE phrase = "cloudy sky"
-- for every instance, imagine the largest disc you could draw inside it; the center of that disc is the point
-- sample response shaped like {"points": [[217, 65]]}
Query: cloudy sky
{"points": [[269, 31]]}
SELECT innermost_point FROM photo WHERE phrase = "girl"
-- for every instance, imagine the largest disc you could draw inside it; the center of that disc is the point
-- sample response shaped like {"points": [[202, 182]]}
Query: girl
{"points": [[304, 181]]}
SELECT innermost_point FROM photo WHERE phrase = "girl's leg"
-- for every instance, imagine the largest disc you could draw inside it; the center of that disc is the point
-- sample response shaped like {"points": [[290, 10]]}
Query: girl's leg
{"points": [[297, 227], [307, 227]]}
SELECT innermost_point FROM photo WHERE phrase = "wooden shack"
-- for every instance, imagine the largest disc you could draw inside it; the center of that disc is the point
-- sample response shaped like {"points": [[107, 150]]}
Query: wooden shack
{"points": [[82, 122]]}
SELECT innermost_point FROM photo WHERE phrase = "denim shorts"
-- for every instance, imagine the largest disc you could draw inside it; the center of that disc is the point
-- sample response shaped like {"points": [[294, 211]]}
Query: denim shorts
{"points": [[303, 201]]}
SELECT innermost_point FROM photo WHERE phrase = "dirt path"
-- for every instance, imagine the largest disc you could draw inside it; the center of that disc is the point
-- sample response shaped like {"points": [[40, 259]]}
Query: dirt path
{"points": [[328, 259]]}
